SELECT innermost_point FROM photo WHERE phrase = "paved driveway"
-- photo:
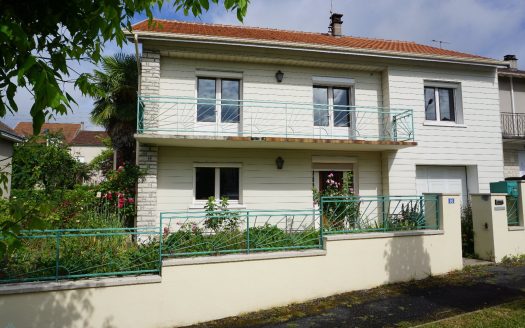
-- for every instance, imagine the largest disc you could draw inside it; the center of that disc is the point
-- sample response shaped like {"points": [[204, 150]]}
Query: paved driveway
{"points": [[405, 304]]}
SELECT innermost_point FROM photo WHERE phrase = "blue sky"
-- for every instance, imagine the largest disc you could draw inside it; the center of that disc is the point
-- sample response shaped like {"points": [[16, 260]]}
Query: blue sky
{"points": [[491, 28]]}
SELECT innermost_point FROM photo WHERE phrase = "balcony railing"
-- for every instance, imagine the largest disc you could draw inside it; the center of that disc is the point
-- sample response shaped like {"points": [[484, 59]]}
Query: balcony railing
{"points": [[513, 125], [257, 119]]}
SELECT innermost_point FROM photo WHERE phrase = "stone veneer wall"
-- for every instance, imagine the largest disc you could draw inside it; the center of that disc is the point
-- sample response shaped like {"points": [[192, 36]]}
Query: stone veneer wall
{"points": [[147, 154]]}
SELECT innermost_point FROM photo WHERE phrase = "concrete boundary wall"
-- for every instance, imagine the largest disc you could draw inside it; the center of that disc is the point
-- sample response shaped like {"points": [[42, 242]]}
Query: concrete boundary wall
{"points": [[201, 291], [493, 237]]}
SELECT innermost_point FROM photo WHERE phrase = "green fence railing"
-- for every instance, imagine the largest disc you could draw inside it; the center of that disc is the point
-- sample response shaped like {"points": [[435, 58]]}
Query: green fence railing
{"points": [[193, 233], [354, 214], [82, 253], [512, 211]]}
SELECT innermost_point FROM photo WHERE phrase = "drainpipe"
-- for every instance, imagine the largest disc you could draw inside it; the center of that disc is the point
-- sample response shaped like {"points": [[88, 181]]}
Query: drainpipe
{"points": [[137, 57]]}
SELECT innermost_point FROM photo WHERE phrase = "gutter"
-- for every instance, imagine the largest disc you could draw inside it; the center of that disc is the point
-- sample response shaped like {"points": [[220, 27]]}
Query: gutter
{"points": [[137, 58], [159, 36], [10, 137]]}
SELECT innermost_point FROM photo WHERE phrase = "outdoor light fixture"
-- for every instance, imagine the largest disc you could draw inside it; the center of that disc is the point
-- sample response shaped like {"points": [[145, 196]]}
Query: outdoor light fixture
{"points": [[280, 162], [279, 76]]}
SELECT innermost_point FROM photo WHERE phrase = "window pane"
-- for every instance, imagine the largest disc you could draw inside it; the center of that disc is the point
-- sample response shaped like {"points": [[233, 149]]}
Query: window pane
{"points": [[230, 183], [321, 114], [341, 109], [430, 104], [446, 105], [206, 102], [230, 93], [204, 182]]}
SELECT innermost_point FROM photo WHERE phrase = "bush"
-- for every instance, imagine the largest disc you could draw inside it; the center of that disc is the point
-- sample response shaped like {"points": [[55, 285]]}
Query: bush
{"points": [[467, 231]]}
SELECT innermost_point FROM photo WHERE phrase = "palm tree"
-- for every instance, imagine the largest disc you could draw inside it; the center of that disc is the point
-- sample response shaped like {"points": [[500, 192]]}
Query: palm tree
{"points": [[115, 105]]}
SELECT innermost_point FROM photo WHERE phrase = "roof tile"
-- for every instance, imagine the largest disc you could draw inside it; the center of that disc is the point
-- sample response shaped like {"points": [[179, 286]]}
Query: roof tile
{"points": [[321, 39]]}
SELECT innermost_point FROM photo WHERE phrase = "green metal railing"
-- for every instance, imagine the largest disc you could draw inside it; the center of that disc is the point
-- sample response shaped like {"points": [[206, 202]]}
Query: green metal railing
{"points": [[258, 119], [222, 232], [354, 214], [82, 253], [512, 211]]}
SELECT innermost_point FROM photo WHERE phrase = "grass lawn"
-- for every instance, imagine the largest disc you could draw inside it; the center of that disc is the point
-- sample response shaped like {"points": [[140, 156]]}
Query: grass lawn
{"points": [[507, 315]]}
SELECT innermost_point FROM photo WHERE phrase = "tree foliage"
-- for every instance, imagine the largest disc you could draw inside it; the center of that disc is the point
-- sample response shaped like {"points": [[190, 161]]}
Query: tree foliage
{"points": [[115, 106], [45, 162], [39, 39]]}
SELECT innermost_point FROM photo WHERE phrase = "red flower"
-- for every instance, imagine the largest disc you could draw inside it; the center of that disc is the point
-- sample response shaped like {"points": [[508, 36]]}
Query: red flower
{"points": [[131, 200]]}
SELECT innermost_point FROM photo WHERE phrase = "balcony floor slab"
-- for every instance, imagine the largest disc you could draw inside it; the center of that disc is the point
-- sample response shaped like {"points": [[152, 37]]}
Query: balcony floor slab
{"points": [[271, 142]]}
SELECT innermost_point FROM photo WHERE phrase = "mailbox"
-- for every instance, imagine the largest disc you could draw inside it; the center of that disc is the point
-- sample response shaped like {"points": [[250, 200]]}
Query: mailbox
{"points": [[505, 187]]}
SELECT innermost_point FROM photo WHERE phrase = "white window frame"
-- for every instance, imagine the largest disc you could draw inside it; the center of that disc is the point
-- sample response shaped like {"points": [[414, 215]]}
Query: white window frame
{"points": [[458, 105], [218, 94], [351, 102], [217, 166]]}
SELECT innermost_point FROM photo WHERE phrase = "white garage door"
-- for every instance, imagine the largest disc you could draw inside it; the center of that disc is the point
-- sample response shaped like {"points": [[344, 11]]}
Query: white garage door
{"points": [[442, 179]]}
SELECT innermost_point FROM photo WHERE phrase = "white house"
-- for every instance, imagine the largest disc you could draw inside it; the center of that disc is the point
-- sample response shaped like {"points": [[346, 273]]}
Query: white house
{"points": [[262, 116], [512, 107], [8, 137]]}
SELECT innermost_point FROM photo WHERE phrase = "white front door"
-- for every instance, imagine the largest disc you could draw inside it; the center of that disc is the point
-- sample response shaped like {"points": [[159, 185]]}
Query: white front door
{"points": [[442, 179]]}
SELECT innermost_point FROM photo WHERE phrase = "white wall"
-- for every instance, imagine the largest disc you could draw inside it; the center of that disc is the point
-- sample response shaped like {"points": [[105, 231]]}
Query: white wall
{"points": [[189, 294], [6, 153], [88, 152], [262, 184], [477, 143]]}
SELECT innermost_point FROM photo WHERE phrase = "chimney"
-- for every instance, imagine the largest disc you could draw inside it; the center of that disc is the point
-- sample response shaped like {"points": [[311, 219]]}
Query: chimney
{"points": [[81, 126], [511, 60], [336, 24]]}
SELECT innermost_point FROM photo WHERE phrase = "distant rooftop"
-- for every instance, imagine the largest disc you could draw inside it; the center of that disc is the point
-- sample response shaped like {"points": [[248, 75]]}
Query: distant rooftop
{"points": [[73, 133]]}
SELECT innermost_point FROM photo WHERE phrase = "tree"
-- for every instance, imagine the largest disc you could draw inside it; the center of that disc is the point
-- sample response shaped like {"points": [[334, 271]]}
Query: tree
{"points": [[39, 39], [116, 102], [45, 162]]}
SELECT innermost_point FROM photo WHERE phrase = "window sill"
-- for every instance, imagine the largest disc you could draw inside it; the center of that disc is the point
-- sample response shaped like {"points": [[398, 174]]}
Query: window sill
{"points": [[447, 124], [231, 206]]}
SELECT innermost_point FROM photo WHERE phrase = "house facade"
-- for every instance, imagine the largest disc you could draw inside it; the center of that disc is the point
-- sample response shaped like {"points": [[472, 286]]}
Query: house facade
{"points": [[263, 116], [512, 106]]}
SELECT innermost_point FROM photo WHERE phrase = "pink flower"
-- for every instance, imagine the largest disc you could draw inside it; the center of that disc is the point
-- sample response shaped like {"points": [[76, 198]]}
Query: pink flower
{"points": [[120, 168], [331, 175], [131, 200], [121, 202]]}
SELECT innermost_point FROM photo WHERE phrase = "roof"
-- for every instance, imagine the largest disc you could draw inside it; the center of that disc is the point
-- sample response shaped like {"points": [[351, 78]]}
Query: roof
{"points": [[317, 40], [511, 72], [9, 134], [69, 130], [89, 138]]}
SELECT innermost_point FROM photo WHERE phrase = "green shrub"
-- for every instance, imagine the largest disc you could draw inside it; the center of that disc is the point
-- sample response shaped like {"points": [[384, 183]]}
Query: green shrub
{"points": [[467, 231]]}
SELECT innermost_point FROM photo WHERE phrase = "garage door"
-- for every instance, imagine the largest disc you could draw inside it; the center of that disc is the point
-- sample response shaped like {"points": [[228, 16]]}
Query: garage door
{"points": [[442, 179]]}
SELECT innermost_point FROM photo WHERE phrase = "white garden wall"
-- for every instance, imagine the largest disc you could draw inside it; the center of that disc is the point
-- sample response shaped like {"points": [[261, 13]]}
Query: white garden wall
{"points": [[206, 290]]}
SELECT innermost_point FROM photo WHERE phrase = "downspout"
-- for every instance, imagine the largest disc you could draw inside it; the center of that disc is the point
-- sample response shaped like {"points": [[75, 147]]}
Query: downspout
{"points": [[139, 86]]}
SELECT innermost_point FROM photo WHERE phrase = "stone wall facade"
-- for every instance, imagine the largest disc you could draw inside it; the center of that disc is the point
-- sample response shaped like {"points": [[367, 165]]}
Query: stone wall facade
{"points": [[147, 154]]}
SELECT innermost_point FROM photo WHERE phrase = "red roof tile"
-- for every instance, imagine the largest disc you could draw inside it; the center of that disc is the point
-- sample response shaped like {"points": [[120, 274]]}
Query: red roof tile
{"points": [[320, 39], [89, 138], [69, 130]]}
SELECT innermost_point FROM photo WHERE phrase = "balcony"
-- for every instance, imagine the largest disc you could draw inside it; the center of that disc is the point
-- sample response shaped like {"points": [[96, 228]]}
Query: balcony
{"points": [[197, 122], [513, 125]]}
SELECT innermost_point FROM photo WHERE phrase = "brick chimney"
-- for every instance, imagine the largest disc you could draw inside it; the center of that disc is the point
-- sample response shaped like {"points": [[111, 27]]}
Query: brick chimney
{"points": [[336, 24], [511, 60]]}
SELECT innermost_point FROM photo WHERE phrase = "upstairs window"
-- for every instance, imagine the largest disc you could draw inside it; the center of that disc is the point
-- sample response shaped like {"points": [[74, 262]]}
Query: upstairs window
{"points": [[331, 106], [442, 103], [218, 99]]}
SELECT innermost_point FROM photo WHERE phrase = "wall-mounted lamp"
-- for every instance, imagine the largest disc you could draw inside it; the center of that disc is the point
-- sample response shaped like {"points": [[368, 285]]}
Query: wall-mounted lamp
{"points": [[279, 76], [279, 161]]}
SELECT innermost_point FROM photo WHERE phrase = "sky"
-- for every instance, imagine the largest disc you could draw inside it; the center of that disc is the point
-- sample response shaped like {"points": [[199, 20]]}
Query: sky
{"points": [[491, 28]]}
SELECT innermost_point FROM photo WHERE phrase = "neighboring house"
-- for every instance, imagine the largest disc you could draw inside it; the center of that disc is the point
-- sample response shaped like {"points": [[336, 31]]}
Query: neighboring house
{"points": [[87, 145], [512, 107], [8, 137], [262, 116], [84, 145]]}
